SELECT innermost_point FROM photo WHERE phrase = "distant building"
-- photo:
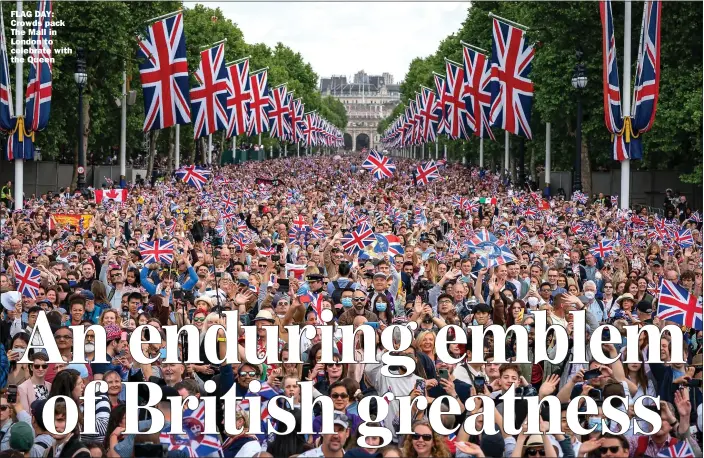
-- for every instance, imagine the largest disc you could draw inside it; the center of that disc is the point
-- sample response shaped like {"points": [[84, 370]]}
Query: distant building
{"points": [[368, 99]]}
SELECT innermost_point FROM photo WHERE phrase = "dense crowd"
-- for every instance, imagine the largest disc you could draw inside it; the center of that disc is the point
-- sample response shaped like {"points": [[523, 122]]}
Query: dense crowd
{"points": [[267, 239]]}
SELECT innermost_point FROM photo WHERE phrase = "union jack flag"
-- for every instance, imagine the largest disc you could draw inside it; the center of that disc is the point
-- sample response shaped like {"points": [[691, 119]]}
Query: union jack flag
{"points": [[603, 249], [209, 100], [359, 239], [239, 95], [442, 100], [431, 114], [380, 165], [309, 129], [419, 216], [684, 238], [614, 201], [461, 203], [394, 246], [580, 197], [194, 176], [681, 449], [195, 442], [427, 172], [612, 91], [38, 95], [492, 251], [258, 120], [288, 107], [695, 217], [647, 85], [278, 111], [676, 304], [297, 124], [163, 71], [7, 121], [299, 223], [460, 122], [477, 96], [266, 251], [157, 251], [511, 88], [27, 279]]}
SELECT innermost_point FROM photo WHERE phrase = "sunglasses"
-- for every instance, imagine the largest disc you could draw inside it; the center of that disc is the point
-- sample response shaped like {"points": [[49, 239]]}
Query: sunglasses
{"points": [[339, 395], [358, 299], [41, 366], [4, 407], [425, 437], [335, 364], [201, 319], [612, 449], [535, 451], [248, 374]]}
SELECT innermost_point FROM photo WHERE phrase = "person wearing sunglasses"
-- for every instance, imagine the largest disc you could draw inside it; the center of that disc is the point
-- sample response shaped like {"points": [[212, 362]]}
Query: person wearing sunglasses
{"points": [[341, 400], [613, 446], [536, 446], [332, 444], [424, 442], [245, 373], [36, 387]]}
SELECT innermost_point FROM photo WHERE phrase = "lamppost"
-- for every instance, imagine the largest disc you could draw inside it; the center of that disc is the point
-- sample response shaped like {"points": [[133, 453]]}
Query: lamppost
{"points": [[81, 78], [579, 82]]}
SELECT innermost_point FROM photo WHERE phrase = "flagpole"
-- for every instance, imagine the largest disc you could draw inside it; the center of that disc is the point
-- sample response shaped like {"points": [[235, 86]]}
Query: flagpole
{"points": [[481, 152], [260, 153], [123, 125], [444, 151], [436, 150], [234, 147], [177, 147], [210, 149], [506, 154], [298, 149], [515, 24], [19, 155], [422, 151], [626, 164], [547, 156], [163, 16]]}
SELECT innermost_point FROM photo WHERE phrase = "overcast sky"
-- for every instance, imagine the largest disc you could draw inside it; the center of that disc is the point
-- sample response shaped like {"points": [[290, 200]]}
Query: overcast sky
{"points": [[343, 37]]}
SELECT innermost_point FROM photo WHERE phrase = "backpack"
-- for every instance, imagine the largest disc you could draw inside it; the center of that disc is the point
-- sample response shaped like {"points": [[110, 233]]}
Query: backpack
{"points": [[337, 292]]}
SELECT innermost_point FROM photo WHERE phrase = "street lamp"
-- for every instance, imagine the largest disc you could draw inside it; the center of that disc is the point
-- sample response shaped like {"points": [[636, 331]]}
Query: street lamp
{"points": [[81, 78], [579, 82]]}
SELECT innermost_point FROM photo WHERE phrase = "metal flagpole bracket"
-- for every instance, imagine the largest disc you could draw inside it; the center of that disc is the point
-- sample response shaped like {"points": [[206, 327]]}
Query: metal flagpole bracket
{"points": [[453, 62], [214, 44], [164, 16], [237, 61], [476, 48], [515, 24], [258, 71]]}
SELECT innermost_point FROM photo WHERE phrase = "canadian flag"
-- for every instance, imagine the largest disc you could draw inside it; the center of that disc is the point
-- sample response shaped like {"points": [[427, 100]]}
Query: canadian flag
{"points": [[118, 195]]}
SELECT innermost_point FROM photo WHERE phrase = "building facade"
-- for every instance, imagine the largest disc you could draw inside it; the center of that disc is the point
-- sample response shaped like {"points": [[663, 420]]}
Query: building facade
{"points": [[368, 99]]}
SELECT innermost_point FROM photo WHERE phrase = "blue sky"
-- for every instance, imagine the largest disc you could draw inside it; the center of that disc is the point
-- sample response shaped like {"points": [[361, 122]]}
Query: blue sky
{"points": [[344, 37]]}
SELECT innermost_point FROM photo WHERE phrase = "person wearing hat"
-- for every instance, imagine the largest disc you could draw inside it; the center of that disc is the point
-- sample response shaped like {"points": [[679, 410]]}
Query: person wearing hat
{"points": [[644, 310], [114, 345], [21, 437], [536, 445], [92, 311], [332, 444], [626, 302], [315, 282]]}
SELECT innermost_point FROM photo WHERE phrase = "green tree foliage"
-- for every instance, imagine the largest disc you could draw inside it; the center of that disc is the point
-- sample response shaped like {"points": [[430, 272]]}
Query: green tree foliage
{"points": [[558, 29]]}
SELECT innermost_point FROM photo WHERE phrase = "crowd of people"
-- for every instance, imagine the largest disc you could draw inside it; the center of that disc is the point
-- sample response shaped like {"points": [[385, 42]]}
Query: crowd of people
{"points": [[271, 238]]}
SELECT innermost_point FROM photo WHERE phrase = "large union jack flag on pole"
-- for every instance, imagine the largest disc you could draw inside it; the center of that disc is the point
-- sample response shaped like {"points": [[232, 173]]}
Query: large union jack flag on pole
{"points": [[477, 96], [297, 124], [259, 105], [278, 111], [427, 172], [7, 112], [676, 304], [163, 71], [157, 251], [193, 176], [239, 95], [380, 165], [511, 88], [612, 90], [209, 100], [442, 100], [38, 95], [459, 121], [309, 128], [431, 114], [647, 85]]}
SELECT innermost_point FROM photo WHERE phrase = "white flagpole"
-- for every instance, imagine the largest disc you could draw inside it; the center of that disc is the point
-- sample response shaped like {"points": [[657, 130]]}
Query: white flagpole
{"points": [[19, 109], [626, 106], [123, 126], [481, 152], [436, 150], [177, 148], [298, 149], [547, 155], [210, 149], [506, 148]]}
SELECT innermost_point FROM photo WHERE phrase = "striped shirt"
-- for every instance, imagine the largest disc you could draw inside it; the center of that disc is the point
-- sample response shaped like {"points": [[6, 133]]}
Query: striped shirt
{"points": [[102, 415]]}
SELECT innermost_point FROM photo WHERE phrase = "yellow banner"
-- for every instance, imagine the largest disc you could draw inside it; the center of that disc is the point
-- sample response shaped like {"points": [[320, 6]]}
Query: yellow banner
{"points": [[62, 219]]}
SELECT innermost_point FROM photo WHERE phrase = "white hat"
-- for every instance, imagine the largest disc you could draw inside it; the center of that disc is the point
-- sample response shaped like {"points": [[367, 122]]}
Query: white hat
{"points": [[10, 299]]}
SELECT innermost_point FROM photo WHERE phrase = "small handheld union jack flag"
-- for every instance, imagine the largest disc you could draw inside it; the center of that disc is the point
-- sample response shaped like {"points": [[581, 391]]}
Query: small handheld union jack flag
{"points": [[492, 251], [684, 238], [27, 279], [425, 173], [614, 201], [676, 304], [380, 165], [194, 176], [681, 449], [603, 249], [157, 251], [359, 239]]}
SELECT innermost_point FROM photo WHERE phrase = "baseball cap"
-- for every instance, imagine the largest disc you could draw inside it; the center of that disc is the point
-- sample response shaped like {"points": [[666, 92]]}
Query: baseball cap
{"points": [[342, 420], [87, 295], [380, 275], [38, 407], [22, 436], [645, 307]]}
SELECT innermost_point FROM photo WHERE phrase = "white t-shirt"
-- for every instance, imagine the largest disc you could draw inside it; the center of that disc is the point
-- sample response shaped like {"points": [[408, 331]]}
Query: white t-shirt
{"points": [[249, 450]]}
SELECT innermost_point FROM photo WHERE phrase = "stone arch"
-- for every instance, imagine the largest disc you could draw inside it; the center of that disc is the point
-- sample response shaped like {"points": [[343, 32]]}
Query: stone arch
{"points": [[362, 140], [348, 141]]}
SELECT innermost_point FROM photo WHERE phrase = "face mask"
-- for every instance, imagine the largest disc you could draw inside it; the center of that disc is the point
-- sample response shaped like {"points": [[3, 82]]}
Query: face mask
{"points": [[595, 421], [533, 301], [19, 350], [589, 295], [346, 302], [72, 283], [89, 348], [380, 306]]}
